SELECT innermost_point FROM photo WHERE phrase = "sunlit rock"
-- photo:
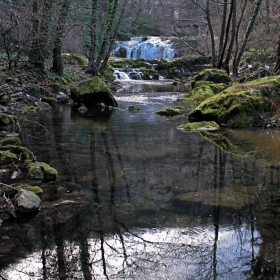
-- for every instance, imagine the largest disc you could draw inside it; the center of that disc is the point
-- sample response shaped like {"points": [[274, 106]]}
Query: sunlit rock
{"points": [[211, 75], [28, 202], [241, 105]]}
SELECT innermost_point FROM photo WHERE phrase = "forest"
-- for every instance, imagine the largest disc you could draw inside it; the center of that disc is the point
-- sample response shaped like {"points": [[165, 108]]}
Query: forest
{"points": [[42, 30]]}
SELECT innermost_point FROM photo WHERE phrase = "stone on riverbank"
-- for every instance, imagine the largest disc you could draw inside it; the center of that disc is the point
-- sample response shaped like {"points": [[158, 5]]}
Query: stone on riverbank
{"points": [[241, 105], [40, 170], [212, 75], [28, 202], [92, 92], [199, 126]]}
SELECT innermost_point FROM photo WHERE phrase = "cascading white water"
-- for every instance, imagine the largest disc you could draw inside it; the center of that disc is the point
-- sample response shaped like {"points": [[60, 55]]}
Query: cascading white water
{"points": [[120, 75], [146, 48], [127, 74]]}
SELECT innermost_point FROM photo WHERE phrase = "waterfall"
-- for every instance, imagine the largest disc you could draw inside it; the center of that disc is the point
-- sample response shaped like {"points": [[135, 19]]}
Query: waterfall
{"points": [[146, 48], [127, 74]]}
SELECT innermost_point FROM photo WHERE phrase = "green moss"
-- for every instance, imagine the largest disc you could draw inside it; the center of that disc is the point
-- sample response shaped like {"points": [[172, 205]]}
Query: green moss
{"points": [[212, 75], [199, 94], [18, 150], [198, 126], [57, 87], [4, 100], [169, 112], [40, 170], [240, 109], [50, 100], [31, 109], [13, 140], [134, 108], [6, 119], [74, 59], [27, 187], [6, 157]]}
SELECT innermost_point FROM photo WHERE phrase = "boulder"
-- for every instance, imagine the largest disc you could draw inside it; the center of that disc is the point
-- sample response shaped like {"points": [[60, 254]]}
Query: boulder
{"points": [[28, 202], [241, 105], [92, 92], [212, 75]]}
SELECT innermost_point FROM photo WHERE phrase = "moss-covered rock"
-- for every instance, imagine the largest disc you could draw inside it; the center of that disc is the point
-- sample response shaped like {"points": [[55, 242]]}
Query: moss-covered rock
{"points": [[18, 150], [10, 141], [40, 170], [74, 59], [212, 75], [7, 157], [133, 108], [35, 90], [168, 112], [31, 109], [4, 100], [93, 91], [57, 87], [241, 105], [199, 126], [27, 187], [198, 94], [50, 100], [6, 119]]}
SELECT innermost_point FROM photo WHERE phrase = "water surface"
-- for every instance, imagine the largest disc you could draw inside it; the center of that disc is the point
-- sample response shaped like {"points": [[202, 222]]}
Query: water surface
{"points": [[138, 199]]}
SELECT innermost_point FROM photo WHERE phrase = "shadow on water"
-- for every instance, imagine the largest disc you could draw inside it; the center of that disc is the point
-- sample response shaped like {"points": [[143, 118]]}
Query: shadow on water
{"points": [[138, 199]]}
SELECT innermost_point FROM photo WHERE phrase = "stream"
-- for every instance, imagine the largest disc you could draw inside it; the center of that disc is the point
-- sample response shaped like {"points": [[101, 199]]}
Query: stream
{"points": [[136, 198]]}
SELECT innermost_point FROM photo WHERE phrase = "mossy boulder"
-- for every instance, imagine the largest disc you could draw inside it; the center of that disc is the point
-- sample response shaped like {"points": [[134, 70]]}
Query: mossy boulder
{"points": [[35, 90], [199, 126], [7, 157], [74, 59], [133, 108], [92, 92], [18, 150], [13, 140], [6, 119], [35, 189], [241, 105], [50, 100], [212, 75], [168, 112], [57, 87], [40, 170]]}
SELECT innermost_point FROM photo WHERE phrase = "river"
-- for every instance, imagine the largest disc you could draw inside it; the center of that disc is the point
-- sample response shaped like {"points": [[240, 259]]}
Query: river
{"points": [[136, 198]]}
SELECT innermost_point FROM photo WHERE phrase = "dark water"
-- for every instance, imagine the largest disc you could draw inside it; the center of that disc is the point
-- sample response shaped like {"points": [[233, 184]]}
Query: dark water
{"points": [[138, 199]]}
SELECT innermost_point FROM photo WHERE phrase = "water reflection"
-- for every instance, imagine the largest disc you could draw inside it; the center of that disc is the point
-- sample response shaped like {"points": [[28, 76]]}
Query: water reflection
{"points": [[138, 199]]}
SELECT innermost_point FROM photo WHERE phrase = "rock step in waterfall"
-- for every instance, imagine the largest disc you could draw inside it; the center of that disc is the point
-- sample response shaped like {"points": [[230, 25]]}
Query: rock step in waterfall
{"points": [[144, 47]]}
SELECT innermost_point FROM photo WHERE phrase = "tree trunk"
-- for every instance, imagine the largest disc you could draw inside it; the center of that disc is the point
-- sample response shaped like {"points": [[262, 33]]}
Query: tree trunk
{"points": [[60, 29], [246, 37]]}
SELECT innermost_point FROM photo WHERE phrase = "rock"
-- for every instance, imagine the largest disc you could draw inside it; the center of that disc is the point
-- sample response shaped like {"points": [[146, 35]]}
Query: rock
{"points": [[44, 106], [241, 105], [212, 75], [50, 100], [57, 87], [133, 108], [93, 91], [40, 170], [169, 112], [6, 119], [28, 202], [199, 126], [62, 97]]}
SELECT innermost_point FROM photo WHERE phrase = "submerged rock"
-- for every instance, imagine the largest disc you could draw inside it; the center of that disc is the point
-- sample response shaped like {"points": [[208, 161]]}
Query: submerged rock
{"points": [[28, 202], [199, 126], [169, 112], [93, 91]]}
